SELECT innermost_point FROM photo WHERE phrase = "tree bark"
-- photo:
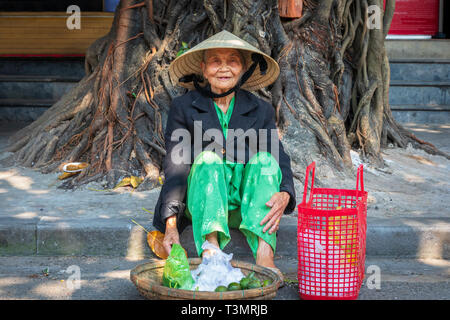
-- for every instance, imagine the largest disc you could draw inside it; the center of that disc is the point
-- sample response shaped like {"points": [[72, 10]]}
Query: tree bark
{"points": [[331, 96]]}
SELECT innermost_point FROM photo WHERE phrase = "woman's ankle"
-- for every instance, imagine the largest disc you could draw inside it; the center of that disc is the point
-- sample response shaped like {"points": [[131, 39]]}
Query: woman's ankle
{"points": [[264, 254], [212, 239]]}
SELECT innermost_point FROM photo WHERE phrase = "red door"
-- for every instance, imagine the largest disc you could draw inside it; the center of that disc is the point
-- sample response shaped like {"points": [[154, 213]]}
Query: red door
{"points": [[415, 17]]}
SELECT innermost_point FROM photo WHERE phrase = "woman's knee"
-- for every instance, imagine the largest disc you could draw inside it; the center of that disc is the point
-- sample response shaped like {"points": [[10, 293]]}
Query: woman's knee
{"points": [[263, 157], [207, 157], [207, 165], [266, 162]]}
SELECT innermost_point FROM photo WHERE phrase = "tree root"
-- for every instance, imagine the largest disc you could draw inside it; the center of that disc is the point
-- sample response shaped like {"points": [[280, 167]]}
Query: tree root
{"points": [[334, 86]]}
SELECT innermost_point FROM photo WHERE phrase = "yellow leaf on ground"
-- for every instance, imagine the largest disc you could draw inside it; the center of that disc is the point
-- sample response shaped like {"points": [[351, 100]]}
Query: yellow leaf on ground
{"points": [[148, 211], [125, 182], [135, 181], [66, 175]]}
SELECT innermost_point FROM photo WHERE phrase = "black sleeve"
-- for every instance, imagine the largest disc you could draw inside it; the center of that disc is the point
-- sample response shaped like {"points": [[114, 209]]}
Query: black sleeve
{"points": [[176, 172], [287, 181]]}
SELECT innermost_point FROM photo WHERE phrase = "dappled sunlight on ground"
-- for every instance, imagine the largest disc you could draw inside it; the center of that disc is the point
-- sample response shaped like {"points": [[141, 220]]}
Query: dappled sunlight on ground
{"points": [[413, 178], [25, 215], [441, 263], [412, 183], [99, 278], [17, 181], [117, 274], [26, 193]]}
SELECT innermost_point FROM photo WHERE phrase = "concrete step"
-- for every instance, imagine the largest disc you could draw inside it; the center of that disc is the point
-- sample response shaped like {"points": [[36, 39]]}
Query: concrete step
{"points": [[35, 89], [420, 70], [420, 83], [418, 49], [400, 238], [422, 117], [419, 107], [36, 83], [424, 95], [23, 110], [21, 113], [27, 102], [420, 89], [73, 67], [426, 60], [37, 78], [423, 114]]}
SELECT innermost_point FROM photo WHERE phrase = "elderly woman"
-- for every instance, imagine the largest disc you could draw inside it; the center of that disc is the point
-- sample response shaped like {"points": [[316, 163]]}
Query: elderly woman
{"points": [[230, 169]]}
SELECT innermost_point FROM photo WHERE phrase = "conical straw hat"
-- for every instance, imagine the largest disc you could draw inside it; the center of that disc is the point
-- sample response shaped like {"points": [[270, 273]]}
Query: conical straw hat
{"points": [[189, 62]]}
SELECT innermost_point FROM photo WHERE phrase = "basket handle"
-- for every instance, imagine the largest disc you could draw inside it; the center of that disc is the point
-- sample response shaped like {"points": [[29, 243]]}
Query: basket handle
{"points": [[311, 167], [360, 178]]}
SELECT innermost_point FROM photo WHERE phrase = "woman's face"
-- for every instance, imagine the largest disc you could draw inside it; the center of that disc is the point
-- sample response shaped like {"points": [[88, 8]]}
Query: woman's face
{"points": [[222, 68]]}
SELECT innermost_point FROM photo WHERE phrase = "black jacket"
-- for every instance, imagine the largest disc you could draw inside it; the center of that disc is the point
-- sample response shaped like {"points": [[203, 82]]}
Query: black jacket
{"points": [[192, 110]]}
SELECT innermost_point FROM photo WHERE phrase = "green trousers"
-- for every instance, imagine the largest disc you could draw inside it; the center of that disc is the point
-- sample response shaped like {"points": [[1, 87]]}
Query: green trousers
{"points": [[222, 194]]}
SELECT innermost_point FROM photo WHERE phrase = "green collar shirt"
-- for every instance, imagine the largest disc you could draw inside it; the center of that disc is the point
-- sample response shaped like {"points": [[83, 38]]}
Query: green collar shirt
{"points": [[224, 118]]}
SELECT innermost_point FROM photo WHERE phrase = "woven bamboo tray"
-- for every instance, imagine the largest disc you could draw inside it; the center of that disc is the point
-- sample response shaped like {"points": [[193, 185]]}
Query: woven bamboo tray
{"points": [[147, 278]]}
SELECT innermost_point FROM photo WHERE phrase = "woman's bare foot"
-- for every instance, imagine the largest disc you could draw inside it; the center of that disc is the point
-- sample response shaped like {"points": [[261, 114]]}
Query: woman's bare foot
{"points": [[211, 238], [264, 257]]}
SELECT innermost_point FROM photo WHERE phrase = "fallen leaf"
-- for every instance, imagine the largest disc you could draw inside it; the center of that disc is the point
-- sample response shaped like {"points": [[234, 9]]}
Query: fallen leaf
{"points": [[148, 211], [135, 181], [155, 241], [66, 175], [125, 182]]}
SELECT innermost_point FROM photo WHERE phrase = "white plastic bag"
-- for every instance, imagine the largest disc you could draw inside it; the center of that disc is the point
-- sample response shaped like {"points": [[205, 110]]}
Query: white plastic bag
{"points": [[215, 270]]}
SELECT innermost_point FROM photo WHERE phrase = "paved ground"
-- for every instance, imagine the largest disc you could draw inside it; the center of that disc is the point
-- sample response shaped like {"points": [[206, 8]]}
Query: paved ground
{"points": [[43, 226], [108, 278], [408, 211], [436, 133]]}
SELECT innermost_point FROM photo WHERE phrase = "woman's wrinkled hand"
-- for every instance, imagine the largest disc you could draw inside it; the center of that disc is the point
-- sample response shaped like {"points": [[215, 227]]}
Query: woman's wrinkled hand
{"points": [[171, 235], [278, 203]]}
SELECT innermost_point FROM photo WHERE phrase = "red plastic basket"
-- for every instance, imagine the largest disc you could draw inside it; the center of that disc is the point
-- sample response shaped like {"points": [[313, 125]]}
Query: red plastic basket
{"points": [[331, 235]]}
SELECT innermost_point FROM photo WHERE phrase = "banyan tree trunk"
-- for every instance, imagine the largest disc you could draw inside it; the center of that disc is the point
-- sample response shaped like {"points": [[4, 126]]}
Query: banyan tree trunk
{"points": [[331, 96]]}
